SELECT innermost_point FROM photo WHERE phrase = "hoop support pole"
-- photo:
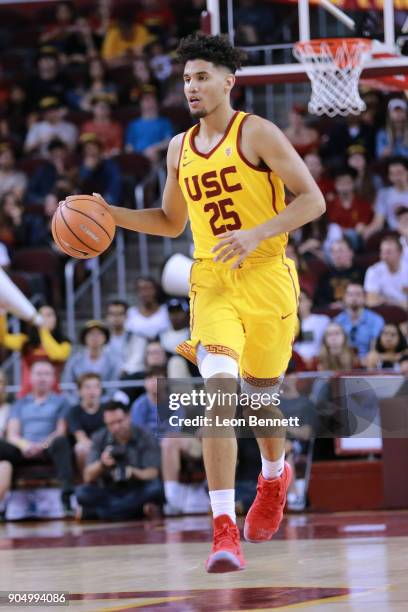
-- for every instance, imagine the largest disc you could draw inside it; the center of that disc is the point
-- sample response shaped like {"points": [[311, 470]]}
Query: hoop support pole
{"points": [[304, 22], [338, 14], [213, 7], [389, 26]]}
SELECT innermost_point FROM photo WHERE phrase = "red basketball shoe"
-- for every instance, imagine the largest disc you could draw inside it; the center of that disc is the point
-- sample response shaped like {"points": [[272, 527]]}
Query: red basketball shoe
{"points": [[265, 514], [226, 554]]}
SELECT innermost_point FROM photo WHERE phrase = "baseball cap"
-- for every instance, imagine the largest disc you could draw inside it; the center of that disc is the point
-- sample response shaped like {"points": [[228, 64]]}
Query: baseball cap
{"points": [[397, 103], [93, 324]]}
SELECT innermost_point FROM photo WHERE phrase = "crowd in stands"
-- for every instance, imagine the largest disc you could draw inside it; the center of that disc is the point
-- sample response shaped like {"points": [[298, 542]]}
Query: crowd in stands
{"points": [[104, 86]]}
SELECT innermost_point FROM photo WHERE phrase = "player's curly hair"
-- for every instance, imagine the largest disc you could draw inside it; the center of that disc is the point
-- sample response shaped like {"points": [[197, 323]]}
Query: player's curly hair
{"points": [[215, 49]]}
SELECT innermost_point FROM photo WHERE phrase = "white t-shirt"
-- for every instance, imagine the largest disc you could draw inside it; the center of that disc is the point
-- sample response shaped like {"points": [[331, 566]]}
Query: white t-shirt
{"points": [[4, 256], [41, 133], [312, 328], [148, 327], [388, 201], [379, 279]]}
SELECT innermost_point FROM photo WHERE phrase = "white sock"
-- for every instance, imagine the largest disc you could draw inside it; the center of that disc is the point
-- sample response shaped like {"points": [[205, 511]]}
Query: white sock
{"points": [[272, 469], [223, 502], [172, 493]]}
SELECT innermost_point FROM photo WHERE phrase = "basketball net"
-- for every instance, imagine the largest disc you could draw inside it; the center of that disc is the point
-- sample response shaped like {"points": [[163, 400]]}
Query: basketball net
{"points": [[334, 67]]}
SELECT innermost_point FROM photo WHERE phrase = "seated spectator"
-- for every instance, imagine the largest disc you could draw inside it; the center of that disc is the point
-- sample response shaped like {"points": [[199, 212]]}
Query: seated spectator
{"points": [[332, 284], [37, 344], [157, 17], [393, 140], [148, 410], [108, 132], [122, 472], [350, 212], [97, 85], [159, 61], [37, 431], [336, 353], [141, 79], [403, 367], [312, 326], [93, 356], [402, 216], [151, 133], [96, 174], [69, 34], [50, 126], [390, 199], [17, 227], [256, 23], [124, 39], [128, 349], [149, 318], [154, 356], [302, 137], [366, 183], [343, 134], [86, 418], [179, 332], [314, 164], [362, 325], [56, 173], [389, 348], [11, 180], [17, 113], [48, 80], [386, 282], [174, 451]]}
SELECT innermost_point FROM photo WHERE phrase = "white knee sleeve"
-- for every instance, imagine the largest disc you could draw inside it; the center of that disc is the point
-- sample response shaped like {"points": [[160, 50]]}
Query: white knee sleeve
{"points": [[211, 364]]}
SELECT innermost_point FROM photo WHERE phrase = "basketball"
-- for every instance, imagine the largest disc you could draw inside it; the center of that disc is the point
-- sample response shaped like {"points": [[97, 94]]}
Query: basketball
{"points": [[83, 227]]}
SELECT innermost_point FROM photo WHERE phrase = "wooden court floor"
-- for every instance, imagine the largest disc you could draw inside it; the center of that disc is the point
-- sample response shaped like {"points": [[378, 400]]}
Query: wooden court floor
{"points": [[319, 562]]}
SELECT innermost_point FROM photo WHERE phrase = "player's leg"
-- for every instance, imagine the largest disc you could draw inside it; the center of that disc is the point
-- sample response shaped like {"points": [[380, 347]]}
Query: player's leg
{"points": [[220, 374]]}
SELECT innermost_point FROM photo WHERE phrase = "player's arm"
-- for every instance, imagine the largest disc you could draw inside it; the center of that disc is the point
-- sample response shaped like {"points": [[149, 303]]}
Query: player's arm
{"points": [[171, 218], [267, 143]]}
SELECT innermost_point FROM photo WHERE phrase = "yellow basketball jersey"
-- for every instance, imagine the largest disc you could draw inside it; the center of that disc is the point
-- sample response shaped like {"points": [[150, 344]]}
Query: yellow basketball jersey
{"points": [[224, 191]]}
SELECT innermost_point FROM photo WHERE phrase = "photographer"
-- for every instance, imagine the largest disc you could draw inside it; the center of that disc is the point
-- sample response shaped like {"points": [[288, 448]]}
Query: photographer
{"points": [[122, 472]]}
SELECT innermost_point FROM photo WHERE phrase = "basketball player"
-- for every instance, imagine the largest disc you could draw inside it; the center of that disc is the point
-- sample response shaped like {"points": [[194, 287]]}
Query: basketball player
{"points": [[227, 174]]}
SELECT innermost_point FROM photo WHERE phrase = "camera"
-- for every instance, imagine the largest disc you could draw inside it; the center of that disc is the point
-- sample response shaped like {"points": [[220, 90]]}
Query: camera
{"points": [[118, 472]]}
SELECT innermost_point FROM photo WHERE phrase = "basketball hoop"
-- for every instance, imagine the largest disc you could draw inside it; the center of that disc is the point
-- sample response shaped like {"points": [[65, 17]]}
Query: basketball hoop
{"points": [[334, 66]]}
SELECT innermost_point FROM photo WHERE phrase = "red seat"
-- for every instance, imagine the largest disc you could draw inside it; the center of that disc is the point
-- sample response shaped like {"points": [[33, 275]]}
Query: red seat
{"points": [[22, 282], [30, 164], [391, 314], [40, 260], [133, 165]]}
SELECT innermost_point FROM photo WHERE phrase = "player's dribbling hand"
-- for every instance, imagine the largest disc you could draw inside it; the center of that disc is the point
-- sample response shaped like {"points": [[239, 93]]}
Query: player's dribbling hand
{"points": [[238, 243]]}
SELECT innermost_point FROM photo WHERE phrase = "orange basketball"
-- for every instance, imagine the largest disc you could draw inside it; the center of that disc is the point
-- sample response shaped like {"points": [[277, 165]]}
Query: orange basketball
{"points": [[83, 227]]}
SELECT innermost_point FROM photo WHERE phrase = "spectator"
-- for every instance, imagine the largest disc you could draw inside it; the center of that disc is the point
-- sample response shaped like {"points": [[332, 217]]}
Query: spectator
{"points": [[142, 79], [86, 418], [389, 199], [37, 431], [124, 39], [402, 216], [11, 180], [389, 348], [51, 126], [96, 174], [17, 113], [160, 62], [178, 332], [344, 134], [154, 356], [157, 18], [4, 406], [43, 343], [314, 164], [350, 212], [122, 474], [386, 282], [366, 183], [393, 140], [150, 134], [336, 353], [127, 348], [403, 366], [48, 81], [312, 326], [332, 284], [302, 137], [93, 356], [56, 173], [108, 132], [98, 84], [69, 34], [148, 410], [247, 471], [362, 325], [256, 23], [148, 319], [17, 227]]}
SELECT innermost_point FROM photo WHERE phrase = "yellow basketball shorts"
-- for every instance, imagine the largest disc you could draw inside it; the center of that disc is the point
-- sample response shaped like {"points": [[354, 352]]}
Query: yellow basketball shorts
{"points": [[249, 314]]}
